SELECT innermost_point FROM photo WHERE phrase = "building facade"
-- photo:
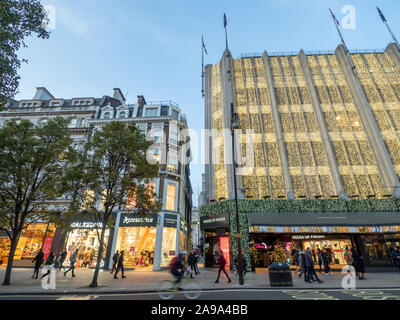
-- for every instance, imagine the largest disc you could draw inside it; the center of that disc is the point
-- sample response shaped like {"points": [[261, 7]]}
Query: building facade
{"points": [[313, 128], [148, 242]]}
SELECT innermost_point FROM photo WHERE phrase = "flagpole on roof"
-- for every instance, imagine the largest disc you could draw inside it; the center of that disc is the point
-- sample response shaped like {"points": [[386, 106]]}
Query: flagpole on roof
{"points": [[387, 26], [226, 32], [337, 23], [203, 50]]}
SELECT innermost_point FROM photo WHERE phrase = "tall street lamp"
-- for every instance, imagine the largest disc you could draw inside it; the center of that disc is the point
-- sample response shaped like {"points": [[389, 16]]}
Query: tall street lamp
{"points": [[234, 126]]}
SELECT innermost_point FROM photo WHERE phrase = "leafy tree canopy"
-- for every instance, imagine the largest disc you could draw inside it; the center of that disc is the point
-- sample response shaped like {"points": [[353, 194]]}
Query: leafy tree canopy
{"points": [[19, 19]]}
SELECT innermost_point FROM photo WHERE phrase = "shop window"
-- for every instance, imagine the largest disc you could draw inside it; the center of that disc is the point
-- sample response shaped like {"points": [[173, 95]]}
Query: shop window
{"points": [[138, 244], [87, 241], [170, 199], [168, 246]]}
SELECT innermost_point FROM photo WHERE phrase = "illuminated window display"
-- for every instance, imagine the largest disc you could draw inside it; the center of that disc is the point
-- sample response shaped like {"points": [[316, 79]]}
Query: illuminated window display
{"points": [[87, 241], [168, 246], [32, 239], [138, 244]]}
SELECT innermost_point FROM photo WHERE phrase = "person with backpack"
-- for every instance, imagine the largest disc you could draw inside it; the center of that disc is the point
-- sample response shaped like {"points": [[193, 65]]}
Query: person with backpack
{"points": [[38, 262], [177, 266], [222, 264], [115, 261], [120, 265], [72, 260]]}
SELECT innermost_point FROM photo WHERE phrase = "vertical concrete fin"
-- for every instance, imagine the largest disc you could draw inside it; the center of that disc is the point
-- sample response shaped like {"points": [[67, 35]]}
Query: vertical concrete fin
{"points": [[330, 154], [385, 165], [278, 129]]}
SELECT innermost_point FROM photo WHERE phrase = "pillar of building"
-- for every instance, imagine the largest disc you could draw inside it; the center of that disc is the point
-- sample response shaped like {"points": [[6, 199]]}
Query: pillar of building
{"points": [[278, 129], [208, 143], [374, 136], [158, 244], [330, 154], [114, 239], [228, 98]]}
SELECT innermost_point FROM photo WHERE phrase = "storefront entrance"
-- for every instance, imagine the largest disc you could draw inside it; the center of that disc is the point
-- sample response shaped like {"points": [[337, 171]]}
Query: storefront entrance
{"points": [[138, 244], [87, 241]]}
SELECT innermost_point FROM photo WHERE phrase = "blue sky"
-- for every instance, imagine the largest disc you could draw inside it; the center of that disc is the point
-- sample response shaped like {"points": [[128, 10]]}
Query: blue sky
{"points": [[153, 47]]}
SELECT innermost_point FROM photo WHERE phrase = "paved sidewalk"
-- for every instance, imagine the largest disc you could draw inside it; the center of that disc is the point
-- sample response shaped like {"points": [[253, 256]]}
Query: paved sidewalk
{"points": [[149, 281]]}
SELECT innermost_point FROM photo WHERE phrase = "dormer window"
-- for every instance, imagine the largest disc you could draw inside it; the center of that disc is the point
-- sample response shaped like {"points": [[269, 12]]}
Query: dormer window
{"points": [[175, 114], [107, 115], [122, 114], [151, 112]]}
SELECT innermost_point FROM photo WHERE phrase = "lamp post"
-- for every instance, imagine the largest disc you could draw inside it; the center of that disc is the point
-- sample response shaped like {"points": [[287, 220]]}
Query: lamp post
{"points": [[235, 125]]}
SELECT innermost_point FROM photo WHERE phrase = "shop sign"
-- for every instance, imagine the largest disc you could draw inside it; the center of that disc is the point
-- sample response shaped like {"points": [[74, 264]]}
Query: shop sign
{"points": [[86, 225], [135, 220], [308, 236], [47, 246], [215, 221], [170, 220]]}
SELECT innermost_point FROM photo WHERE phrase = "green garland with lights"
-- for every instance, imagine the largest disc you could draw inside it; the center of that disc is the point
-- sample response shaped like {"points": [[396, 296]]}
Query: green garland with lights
{"points": [[301, 205]]}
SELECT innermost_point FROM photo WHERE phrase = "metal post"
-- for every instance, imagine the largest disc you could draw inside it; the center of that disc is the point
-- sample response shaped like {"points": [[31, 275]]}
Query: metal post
{"points": [[238, 235]]}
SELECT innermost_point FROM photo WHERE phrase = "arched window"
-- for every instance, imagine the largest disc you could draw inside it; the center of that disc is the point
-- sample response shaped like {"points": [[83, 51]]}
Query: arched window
{"points": [[122, 114], [107, 115]]}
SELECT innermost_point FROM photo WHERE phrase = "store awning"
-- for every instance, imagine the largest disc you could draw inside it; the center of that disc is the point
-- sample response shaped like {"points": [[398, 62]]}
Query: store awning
{"points": [[360, 219]]}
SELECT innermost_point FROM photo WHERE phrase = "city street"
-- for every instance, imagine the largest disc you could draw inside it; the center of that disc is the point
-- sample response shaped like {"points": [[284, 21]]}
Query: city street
{"points": [[143, 285], [238, 294]]}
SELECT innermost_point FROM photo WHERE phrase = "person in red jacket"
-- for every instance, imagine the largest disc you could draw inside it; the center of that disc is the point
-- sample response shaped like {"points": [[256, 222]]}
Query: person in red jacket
{"points": [[222, 263]]}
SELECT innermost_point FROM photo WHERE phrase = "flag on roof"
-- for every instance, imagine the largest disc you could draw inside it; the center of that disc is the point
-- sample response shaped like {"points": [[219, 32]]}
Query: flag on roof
{"points": [[381, 15]]}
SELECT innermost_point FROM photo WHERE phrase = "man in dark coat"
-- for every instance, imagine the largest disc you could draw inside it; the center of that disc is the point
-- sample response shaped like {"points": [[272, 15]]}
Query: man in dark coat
{"points": [[115, 261], [72, 260], [62, 258], [49, 262], [396, 257], [120, 265], [310, 267], [222, 263], [192, 262], [38, 262], [358, 264], [244, 263], [178, 266]]}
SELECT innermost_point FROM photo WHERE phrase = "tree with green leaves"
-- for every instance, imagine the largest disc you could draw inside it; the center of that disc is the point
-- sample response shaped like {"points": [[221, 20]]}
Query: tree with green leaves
{"points": [[34, 161], [114, 169], [19, 19]]}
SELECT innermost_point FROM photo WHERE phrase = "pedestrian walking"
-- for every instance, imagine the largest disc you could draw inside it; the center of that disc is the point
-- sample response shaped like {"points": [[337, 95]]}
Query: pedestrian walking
{"points": [[396, 257], [222, 263], [196, 261], [115, 261], [120, 265], [38, 260], [303, 265], [49, 262], [61, 259], [296, 261], [72, 260], [177, 266], [348, 257], [191, 262], [326, 259], [358, 264], [320, 260], [310, 267]]}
